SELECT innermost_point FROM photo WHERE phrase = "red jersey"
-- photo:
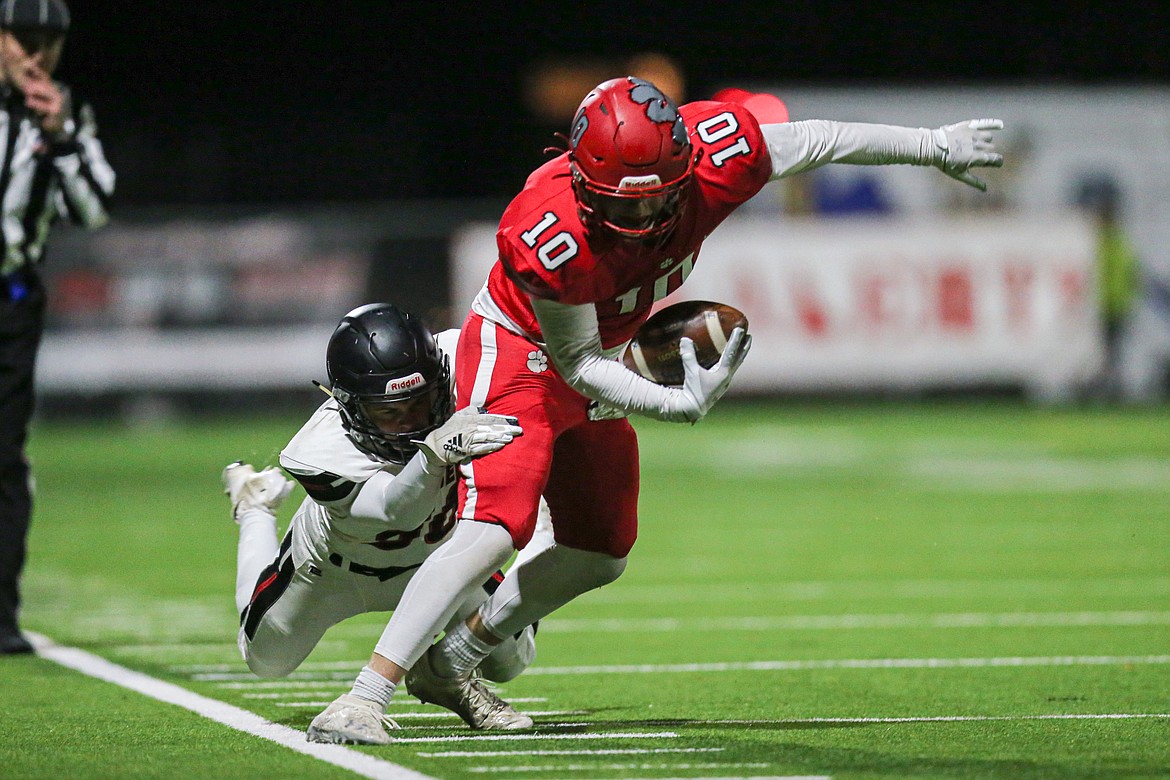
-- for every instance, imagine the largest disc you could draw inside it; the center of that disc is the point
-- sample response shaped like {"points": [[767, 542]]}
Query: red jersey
{"points": [[545, 250]]}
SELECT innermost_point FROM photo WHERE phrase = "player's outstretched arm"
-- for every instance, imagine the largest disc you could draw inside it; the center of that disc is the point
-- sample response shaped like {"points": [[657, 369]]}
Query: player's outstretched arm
{"points": [[796, 147]]}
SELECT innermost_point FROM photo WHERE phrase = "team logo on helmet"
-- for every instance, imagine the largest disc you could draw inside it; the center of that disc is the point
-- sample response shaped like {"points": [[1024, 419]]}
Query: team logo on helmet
{"points": [[580, 125], [405, 383], [659, 108]]}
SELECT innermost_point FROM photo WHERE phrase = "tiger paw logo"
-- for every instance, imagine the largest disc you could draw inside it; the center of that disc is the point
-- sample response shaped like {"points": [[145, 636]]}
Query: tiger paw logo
{"points": [[537, 361]]}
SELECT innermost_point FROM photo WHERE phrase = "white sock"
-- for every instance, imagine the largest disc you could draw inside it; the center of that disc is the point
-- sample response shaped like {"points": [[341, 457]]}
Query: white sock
{"points": [[257, 548], [459, 652], [372, 686]]}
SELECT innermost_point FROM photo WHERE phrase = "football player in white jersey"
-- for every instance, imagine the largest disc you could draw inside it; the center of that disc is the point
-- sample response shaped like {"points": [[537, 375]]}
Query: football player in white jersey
{"points": [[377, 461]]}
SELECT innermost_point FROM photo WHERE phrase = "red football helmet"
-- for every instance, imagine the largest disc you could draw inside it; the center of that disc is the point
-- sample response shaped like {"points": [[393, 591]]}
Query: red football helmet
{"points": [[631, 159]]}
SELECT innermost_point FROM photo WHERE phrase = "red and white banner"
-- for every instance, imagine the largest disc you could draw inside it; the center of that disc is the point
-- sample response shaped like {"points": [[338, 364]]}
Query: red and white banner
{"points": [[889, 304]]}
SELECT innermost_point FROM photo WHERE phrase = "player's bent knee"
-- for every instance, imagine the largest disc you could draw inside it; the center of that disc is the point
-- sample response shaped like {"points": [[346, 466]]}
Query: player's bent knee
{"points": [[270, 666], [592, 569], [269, 658], [511, 657]]}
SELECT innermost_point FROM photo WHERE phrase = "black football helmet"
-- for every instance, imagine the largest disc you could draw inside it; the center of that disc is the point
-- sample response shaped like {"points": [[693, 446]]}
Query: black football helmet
{"points": [[390, 379]]}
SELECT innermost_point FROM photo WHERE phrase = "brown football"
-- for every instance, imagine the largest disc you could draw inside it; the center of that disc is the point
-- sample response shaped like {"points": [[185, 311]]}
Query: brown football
{"points": [[653, 352]]}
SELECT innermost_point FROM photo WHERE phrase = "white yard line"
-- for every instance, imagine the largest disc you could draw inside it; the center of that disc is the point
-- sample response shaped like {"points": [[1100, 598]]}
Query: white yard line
{"points": [[233, 717], [334, 685], [836, 622], [353, 666], [858, 663], [294, 677], [314, 679], [1078, 619], [394, 703], [594, 767], [934, 719], [1125, 587], [603, 752], [543, 737], [430, 714]]}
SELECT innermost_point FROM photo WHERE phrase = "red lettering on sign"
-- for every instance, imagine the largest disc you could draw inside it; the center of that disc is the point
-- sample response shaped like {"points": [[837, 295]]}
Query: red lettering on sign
{"points": [[1072, 290], [877, 296], [810, 311], [1018, 281], [956, 300]]}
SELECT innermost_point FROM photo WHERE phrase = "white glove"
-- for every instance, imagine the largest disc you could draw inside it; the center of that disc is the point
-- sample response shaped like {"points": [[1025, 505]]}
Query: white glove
{"points": [[249, 489], [468, 434], [702, 387], [965, 145], [598, 410]]}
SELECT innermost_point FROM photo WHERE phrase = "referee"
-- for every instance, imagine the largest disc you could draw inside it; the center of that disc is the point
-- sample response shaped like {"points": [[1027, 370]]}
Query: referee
{"points": [[52, 166]]}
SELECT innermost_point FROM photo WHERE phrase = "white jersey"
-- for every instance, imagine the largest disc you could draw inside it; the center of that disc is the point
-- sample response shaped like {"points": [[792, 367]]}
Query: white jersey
{"points": [[362, 508]]}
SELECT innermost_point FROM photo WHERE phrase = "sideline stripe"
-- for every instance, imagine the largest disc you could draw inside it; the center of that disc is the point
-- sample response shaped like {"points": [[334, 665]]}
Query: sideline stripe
{"points": [[233, 717], [860, 663]]}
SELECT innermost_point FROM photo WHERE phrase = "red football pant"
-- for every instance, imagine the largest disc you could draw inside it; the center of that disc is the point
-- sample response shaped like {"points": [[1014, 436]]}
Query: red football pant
{"points": [[587, 471]]}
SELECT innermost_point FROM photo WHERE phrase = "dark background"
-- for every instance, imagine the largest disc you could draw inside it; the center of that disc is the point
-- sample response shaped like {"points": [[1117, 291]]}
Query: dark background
{"points": [[267, 102]]}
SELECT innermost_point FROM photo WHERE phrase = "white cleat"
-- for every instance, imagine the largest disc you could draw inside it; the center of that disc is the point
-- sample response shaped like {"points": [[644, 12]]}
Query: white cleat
{"points": [[350, 720], [250, 489], [467, 696]]}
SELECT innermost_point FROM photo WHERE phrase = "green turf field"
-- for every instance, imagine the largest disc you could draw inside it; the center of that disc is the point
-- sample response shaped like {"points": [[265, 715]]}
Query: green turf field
{"points": [[886, 590]]}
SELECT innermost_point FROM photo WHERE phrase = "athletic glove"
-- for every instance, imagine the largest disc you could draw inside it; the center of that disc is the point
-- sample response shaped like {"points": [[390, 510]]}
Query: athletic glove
{"points": [[598, 411], [249, 489], [702, 387], [966, 145], [469, 433]]}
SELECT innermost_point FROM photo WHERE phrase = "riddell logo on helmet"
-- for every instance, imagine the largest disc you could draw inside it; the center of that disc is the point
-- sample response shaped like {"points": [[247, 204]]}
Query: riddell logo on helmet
{"points": [[640, 182], [405, 383]]}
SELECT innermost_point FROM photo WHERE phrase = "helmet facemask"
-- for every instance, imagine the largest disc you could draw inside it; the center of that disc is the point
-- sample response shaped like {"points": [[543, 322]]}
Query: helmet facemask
{"points": [[390, 380], [639, 208], [388, 425]]}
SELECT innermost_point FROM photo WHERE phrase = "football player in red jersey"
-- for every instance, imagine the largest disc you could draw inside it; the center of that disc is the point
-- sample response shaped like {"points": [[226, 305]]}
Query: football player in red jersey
{"points": [[595, 237]]}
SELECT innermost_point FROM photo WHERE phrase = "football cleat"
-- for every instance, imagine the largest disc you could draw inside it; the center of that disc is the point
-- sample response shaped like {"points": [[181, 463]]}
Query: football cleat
{"points": [[467, 696], [351, 720], [250, 489]]}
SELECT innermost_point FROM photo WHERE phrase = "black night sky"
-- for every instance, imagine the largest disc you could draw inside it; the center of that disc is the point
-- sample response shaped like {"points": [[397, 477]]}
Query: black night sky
{"points": [[266, 102]]}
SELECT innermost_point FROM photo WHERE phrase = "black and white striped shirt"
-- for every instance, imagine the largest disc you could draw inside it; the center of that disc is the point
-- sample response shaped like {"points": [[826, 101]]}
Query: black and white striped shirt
{"points": [[43, 179]]}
